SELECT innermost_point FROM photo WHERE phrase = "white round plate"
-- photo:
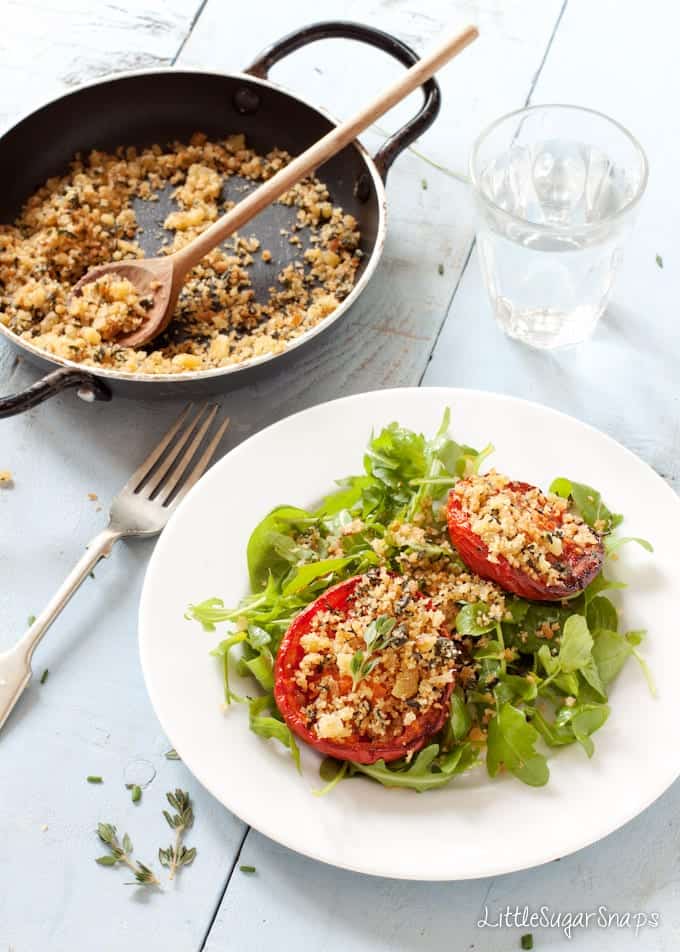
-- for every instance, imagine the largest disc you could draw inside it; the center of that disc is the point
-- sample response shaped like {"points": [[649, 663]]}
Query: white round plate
{"points": [[476, 826]]}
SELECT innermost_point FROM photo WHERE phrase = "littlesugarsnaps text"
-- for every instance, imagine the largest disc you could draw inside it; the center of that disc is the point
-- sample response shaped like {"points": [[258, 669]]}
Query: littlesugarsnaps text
{"points": [[568, 921]]}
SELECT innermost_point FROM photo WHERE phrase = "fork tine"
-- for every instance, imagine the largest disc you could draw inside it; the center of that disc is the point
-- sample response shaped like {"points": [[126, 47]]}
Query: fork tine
{"points": [[201, 465], [173, 477], [158, 477], [153, 457]]}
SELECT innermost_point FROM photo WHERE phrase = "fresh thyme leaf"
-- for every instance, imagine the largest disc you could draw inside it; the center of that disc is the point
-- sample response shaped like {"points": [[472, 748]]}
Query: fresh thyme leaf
{"points": [[120, 853], [91, 574], [136, 795], [423, 184], [378, 630], [248, 869], [106, 832], [107, 860], [30, 620], [177, 855], [659, 261], [440, 268], [356, 666], [94, 779], [44, 676], [376, 637], [144, 875], [172, 754]]}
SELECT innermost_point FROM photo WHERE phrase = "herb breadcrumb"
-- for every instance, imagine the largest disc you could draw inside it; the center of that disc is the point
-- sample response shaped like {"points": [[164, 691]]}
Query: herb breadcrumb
{"points": [[87, 217]]}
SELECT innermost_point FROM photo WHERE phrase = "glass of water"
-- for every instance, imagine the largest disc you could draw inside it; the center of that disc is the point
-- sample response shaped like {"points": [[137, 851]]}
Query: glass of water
{"points": [[556, 188]]}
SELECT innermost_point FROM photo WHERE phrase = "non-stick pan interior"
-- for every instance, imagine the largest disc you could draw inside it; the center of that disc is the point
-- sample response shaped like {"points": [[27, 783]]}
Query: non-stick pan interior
{"points": [[159, 107]]}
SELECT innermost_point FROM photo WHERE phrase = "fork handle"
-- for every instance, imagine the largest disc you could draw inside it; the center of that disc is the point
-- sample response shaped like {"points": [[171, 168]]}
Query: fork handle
{"points": [[15, 664]]}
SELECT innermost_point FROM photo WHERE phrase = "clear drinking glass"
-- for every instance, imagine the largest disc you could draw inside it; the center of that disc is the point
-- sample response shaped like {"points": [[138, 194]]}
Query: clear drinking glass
{"points": [[556, 189]]}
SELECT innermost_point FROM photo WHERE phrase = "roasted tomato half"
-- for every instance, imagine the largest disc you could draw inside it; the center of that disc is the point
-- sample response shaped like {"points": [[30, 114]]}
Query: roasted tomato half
{"points": [[528, 542], [366, 671]]}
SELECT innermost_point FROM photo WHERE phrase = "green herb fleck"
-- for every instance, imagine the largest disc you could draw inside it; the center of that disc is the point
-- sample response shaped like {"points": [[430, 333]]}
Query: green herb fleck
{"points": [[136, 793], [248, 869], [91, 574], [659, 261], [44, 676], [177, 855], [377, 638], [440, 268], [172, 754], [94, 779], [30, 620], [527, 941], [423, 184]]}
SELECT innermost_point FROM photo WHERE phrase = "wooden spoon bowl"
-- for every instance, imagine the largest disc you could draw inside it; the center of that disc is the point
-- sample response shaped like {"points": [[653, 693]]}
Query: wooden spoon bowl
{"points": [[153, 278]]}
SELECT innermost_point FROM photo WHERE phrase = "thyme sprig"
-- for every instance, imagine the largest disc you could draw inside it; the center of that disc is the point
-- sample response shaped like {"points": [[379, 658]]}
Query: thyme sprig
{"points": [[377, 638], [119, 852], [177, 855]]}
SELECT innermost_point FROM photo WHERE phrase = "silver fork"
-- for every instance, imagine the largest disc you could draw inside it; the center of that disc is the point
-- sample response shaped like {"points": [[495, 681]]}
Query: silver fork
{"points": [[141, 508]]}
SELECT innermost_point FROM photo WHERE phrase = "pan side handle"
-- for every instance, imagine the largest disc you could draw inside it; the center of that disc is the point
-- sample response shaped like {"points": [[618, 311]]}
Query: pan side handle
{"points": [[89, 389], [364, 34]]}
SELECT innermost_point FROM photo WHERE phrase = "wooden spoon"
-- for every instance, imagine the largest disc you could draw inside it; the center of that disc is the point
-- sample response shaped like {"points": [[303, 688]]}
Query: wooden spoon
{"points": [[162, 278]]}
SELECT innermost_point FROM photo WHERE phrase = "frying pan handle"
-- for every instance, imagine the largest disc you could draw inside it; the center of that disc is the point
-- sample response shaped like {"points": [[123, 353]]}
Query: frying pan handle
{"points": [[364, 34], [89, 389]]}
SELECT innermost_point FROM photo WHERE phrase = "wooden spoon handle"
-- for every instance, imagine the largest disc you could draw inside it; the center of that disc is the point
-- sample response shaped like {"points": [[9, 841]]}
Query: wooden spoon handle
{"points": [[332, 143]]}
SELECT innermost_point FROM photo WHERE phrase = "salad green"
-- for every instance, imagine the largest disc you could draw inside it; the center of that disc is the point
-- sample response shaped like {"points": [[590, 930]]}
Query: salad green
{"points": [[537, 678]]}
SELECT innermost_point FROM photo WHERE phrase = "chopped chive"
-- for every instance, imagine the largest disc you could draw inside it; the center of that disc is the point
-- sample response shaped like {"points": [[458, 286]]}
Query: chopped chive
{"points": [[527, 941], [136, 793], [30, 620], [94, 779], [440, 268], [248, 869], [44, 676], [659, 261]]}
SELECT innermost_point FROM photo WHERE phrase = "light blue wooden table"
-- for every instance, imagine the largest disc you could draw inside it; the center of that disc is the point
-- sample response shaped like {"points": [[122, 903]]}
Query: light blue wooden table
{"points": [[414, 326]]}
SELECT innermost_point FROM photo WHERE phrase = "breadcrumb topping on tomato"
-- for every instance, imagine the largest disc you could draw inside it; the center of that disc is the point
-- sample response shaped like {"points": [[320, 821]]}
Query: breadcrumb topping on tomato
{"points": [[409, 672], [523, 525]]}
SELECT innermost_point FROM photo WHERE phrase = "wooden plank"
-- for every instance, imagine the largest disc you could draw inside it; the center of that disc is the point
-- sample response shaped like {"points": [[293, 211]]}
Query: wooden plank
{"points": [[92, 716], [47, 46], [306, 905], [624, 380], [389, 335]]}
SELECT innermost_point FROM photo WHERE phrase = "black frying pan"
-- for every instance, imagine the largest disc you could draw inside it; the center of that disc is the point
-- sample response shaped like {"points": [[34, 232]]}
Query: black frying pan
{"points": [[160, 105]]}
